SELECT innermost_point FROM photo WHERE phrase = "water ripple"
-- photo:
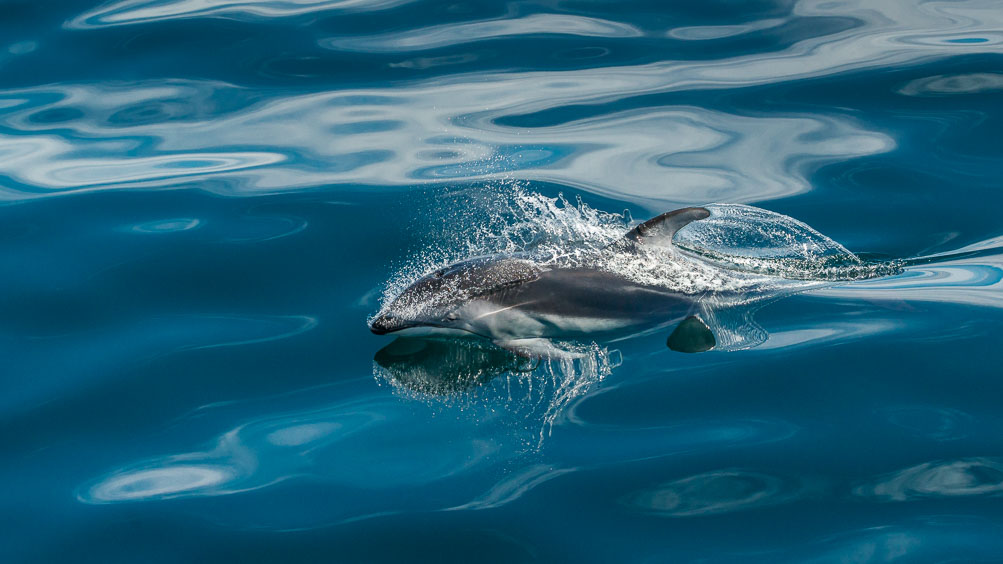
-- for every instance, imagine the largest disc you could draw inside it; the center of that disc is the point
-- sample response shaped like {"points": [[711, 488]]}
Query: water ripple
{"points": [[953, 478], [950, 84], [833, 332], [452, 34], [81, 358], [934, 423], [397, 135], [513, 487], [370, 443], [425, 134], [928, 538], [713, 493], [167, 225], [125, 12], [975, 281], [709, 32]]}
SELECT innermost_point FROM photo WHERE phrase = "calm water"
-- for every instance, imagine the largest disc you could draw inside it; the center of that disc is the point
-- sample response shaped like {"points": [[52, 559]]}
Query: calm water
{"points": [[202, 203]]}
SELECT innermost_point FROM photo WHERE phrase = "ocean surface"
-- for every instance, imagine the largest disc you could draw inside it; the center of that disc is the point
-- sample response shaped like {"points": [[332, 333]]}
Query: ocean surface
{"points": [[202, 203]]}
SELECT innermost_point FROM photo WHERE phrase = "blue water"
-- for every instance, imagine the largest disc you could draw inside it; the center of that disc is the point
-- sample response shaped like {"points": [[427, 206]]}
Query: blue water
{"points": [[201, 203]]}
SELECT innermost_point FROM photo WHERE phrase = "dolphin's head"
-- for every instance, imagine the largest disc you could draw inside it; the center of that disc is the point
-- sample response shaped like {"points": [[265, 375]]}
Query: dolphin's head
{"points": [[438, 301], [417, 318]]}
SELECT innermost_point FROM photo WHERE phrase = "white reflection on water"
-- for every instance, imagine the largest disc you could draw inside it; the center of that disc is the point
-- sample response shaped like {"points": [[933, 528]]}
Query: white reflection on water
{"points": [[167, 225], [887, 34], [712, 493], [934, 423], [513, 487], [371, 448], [953, 478], [253, 329], [923, 538], [22, 47], [831, 332], [423, 134], [161, 483], [450, 128], [945, 85], [452, 34], [81, 173], [125, 12], [369, 443], [709, 32], [973, 281]]}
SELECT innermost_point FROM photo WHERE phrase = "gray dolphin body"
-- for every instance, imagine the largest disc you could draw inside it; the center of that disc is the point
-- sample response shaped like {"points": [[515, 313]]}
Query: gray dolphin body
{"points": [[516, 303], [520, 304]]}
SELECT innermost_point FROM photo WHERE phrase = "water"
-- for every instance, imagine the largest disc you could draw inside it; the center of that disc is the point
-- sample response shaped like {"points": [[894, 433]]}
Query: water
{"points": [[203, 202]]}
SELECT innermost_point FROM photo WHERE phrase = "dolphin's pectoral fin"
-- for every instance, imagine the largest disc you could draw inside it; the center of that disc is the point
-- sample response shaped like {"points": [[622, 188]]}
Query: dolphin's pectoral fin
{"points": [[658, 231], [692, 336], [536, 349]]}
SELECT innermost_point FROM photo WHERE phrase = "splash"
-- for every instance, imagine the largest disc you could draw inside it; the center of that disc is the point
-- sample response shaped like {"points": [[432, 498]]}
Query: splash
{"points": [[749, 239], [570, 378], [508, 219]]}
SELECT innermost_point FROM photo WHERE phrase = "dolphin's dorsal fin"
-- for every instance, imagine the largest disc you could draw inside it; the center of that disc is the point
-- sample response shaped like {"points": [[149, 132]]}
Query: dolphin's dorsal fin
{"points": [[692, 336], [658, 231]]}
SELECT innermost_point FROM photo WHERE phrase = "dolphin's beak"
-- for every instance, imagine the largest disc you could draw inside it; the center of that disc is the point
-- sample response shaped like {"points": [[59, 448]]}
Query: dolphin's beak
{"points": [[384, 324]]}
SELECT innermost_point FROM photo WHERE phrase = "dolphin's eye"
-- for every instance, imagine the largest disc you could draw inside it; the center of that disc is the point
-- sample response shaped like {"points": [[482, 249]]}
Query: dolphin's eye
{"points": [[452, 316], [439, 273]]}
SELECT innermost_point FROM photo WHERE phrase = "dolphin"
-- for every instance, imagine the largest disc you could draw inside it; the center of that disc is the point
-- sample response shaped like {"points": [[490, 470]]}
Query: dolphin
{"points": [[521, 304]]}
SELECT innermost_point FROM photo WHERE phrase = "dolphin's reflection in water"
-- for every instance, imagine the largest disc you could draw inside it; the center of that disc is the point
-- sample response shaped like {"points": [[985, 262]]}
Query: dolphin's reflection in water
{"points": [[440, 367], [458, 370]]}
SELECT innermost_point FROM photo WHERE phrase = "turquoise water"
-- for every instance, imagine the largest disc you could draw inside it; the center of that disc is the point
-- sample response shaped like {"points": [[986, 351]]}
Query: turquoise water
{"points": [[202, 204]]}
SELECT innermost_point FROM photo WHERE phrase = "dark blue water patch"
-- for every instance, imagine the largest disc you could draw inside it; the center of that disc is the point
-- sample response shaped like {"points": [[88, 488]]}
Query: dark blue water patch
{"points": [[56, 115], [968, 40]]}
